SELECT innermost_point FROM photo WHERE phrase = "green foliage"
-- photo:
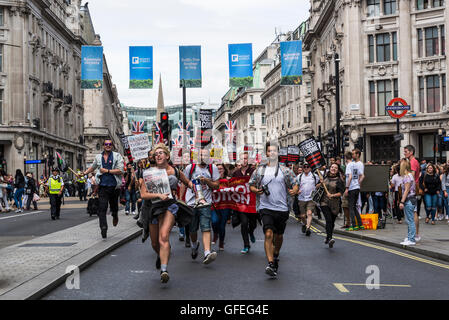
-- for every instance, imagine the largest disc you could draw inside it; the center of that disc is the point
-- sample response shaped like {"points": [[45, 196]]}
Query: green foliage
{"points": [[241, 82], [91, 84], [291, 80], [191, 83], [141, 84]]}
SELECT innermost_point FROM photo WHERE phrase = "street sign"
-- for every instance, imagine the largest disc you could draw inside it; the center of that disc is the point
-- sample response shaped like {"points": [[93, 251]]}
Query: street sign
{"points": [[446, 139], [398, 137], [391, 108], [34, 161]]}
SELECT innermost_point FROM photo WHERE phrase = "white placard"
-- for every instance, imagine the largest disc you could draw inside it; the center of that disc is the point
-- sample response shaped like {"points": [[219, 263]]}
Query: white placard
{"points": [[139, 145]]}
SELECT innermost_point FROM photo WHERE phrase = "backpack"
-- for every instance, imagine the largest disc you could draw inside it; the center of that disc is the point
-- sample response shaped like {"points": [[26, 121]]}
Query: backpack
{"points": [[192, 170], [314, 178]]}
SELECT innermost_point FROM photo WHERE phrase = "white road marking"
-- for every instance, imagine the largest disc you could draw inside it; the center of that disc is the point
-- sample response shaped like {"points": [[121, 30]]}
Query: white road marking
{"points": [[18, 215]]}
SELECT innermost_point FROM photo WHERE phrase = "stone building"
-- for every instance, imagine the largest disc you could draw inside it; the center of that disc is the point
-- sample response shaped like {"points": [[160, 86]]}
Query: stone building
{"points": [[387, 49], [41, 106]]}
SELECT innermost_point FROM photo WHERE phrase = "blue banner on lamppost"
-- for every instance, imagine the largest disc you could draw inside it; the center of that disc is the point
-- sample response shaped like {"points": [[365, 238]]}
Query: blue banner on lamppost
{"points": [[291, 60], [190, 66], [240, 65], [141, 67], [91, 67]]}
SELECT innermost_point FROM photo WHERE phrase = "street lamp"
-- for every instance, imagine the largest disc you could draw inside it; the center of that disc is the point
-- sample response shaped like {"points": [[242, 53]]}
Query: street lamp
{"points": [[24, 163]]}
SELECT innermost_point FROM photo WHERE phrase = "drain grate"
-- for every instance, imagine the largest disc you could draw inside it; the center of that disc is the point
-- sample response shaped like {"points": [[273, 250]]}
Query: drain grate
{"points": [[61, 244]]}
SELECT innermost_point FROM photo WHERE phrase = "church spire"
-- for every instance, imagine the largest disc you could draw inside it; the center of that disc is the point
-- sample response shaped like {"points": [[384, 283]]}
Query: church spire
{"points": [[160, 101]]}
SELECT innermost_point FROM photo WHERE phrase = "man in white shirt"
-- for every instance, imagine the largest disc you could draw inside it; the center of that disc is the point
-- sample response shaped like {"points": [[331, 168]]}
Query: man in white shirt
{"points": [[307, 182], [355, 176]]}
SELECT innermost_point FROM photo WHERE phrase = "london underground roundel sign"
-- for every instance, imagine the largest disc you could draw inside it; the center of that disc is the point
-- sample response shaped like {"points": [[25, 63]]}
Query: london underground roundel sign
{"points": [[391, 108]]}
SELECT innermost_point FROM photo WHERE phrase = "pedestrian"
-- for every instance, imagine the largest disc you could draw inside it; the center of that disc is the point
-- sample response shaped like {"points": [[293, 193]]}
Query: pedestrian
{"points": [[344, 199], [330, 202], [248, 221], [4, 191], [416, 170], [55, 188], [273, 184], [396, 181], [30, 190], [110, 175], [19, 185], [408, 200], [206, 177], [445, 189], [307, 182], [355, 176], [42, 183], [431, 184], [220, 216], [130, 189], [81, 184], [164, 207]]}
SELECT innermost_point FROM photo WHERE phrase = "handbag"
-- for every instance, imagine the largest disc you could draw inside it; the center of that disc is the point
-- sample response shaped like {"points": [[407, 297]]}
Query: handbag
{"points": [[36, 197], [235, 220], [317, 195]]}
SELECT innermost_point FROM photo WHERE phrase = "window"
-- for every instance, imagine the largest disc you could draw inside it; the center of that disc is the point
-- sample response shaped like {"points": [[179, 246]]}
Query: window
{"points": [[1, 16], [372, 98], [437, 3], [253, 139], [1, 58], [383, 96], [443, 85], [420, 43], [251, 98], [433, 93], [373, 8], [263, 118], [251, 118], [422, 4], [1, 105], [371, 48], [389, 7], [309, 88], [395, 46], [421, 93], [383, 47], [443, 41], [431, 41]]}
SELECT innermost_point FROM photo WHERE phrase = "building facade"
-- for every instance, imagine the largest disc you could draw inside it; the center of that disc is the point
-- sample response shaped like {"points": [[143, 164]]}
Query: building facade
{"points": [[41, 106], [387, 49]]}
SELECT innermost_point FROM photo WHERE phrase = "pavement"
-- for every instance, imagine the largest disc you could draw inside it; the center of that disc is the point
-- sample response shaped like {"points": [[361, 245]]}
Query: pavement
{"points": [[33, 268]]}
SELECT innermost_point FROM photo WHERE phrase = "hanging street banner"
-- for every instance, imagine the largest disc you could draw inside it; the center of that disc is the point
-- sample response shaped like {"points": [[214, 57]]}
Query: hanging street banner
{"points": [[190, 66], [91, 67], [291, 63], [139, 146], [312, 153], [140, 67], [240, 65]]}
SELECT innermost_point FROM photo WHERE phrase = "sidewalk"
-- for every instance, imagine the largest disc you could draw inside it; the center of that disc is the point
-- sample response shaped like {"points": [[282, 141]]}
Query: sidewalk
{"points": [[434, 238], [30, 269]]}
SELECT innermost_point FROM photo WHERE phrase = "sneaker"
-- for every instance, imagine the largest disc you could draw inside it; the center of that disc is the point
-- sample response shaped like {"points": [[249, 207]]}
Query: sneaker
{"points": [[210, 258], [362, 228], [308, 232], [136, 217], [104, 233], [271, 270], [417, 238], [188, 245], [195, 252], [244, 250], [408, 243], [115, 220], [252, 237], [304, 228], [221, 246], [158, 263], [53, 218], [276, 264], [350, 229], [181, 237], [133, 213], [326, 241], [127, 212], [164, 277], [331, 243]]}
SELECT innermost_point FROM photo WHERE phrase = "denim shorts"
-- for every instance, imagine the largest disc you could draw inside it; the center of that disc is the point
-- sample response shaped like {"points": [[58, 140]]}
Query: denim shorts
{"points": [[173, 209], [201, 219]]}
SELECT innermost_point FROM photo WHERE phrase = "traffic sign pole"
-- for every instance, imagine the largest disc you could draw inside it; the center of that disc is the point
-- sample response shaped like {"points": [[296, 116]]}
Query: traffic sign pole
{"points": [[391, 108]]}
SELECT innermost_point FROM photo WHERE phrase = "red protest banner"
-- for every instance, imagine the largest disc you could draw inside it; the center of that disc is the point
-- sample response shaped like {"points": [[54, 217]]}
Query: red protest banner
{"points": [[235, 194]]}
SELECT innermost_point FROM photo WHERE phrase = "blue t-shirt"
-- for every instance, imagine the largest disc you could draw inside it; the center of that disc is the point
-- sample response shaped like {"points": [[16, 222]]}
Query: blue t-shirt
{"points": [[107, 179]]}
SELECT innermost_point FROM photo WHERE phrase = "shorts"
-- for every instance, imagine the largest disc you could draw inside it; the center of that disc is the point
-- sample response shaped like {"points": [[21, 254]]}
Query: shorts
{"points": [[201, 219], [304, 206], [274, 220], [344, 202], [173, 209]]}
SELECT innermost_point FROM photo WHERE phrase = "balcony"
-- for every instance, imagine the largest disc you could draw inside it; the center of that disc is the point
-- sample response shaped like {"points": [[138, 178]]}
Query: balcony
{"points": [[68, 100], [47, 88]]}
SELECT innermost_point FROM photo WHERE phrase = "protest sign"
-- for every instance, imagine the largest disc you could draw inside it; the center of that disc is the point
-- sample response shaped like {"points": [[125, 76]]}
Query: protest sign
{"points": [[235, 194], [139, 146], [312, 153]]}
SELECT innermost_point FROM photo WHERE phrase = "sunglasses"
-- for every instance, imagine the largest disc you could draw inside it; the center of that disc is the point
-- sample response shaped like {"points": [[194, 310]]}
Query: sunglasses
{"points": [[305, 167], [108, 144]]}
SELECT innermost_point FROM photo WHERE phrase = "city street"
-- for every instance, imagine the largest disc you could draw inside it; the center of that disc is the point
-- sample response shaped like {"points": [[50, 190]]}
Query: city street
{"points": [[308, 270]]}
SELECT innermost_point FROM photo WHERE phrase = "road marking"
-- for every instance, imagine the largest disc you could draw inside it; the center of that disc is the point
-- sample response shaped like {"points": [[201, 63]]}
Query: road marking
{"points": [[341, 286], [17, 215], [396, 252]]}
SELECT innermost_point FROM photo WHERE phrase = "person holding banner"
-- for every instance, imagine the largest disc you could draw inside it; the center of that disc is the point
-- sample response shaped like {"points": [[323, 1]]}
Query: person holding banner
{"points": [[273, 184], [164, 208], [355, 176], [220, 216], [331, 202], [110, 175], [307, 182]]}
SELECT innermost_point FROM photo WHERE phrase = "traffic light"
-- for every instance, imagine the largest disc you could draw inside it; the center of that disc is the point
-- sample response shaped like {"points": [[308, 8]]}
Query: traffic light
{"points": [[444, 145], [330, 137], [359, 144], [165, 127], [344, 138]]}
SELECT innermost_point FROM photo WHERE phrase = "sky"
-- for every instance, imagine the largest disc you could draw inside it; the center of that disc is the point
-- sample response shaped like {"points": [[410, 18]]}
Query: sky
{"points": [[167, 24]]}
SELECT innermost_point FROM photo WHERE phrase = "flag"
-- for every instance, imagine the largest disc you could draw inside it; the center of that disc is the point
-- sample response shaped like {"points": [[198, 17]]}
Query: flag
{"points": [[137, 127], [158, 135], [62, 165], [231, 127]]}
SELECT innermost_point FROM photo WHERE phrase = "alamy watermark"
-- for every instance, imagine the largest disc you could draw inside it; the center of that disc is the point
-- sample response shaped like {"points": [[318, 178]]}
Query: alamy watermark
{"points": [[73, 280]]}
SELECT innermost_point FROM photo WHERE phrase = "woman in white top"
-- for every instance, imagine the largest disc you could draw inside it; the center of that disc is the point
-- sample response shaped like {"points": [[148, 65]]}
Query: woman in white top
{"points": [[396, 181]]}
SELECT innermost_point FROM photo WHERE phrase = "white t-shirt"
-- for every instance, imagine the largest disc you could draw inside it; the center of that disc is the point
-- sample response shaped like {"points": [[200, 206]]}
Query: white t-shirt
{"points": [[277, 200], [356, 169], [204, 172], [307, 186]]}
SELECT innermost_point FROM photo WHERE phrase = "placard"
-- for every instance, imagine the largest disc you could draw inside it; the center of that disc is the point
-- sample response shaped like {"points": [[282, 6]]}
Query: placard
{"points": [[312, 153], [139, 146], [283, 155], [293, 154]]}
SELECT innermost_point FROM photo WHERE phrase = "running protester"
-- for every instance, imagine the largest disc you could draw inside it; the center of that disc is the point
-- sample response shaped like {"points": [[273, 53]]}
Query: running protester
{"points": [[208, 176], [355, 176], [307, 182], [220, 216], [273, 184], [330, 203], [248, 221], [164, 207]]}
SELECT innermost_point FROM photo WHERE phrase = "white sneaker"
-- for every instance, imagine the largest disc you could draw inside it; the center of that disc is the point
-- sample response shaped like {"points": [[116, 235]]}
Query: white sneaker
{"points": [[447, 217], [133, 213], [417, 238], [408, 243]]}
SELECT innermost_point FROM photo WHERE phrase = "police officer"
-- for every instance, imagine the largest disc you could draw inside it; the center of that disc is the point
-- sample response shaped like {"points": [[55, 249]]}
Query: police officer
{"points": [[81, 182], [55, 187]]}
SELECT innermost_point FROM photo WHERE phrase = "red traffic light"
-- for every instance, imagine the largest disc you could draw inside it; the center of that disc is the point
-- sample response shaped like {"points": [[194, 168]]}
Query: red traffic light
{"points": [[164, 117]]}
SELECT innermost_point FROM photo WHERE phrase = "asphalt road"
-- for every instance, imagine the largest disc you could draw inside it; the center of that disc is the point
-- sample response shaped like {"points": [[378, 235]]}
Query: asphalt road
{"points": [[19, 227], [308, 270]]}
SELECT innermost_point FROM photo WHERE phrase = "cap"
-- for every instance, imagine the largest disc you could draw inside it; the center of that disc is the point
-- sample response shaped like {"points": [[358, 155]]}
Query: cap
{"points": [[55, 169]]}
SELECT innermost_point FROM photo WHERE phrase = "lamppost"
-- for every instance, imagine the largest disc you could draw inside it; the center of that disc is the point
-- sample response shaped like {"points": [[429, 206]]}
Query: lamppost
{"points": [[24, 163], [337, 100]]}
